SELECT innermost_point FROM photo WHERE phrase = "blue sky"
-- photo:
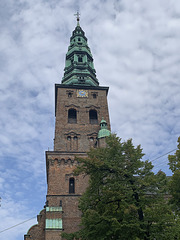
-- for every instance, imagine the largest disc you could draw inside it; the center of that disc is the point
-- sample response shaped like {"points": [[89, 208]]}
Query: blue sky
{"points": [[135, 45]]}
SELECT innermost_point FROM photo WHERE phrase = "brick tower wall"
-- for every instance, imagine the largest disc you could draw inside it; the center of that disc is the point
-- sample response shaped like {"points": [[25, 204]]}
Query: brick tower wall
{"points": [[73, 137], [86, 133]]}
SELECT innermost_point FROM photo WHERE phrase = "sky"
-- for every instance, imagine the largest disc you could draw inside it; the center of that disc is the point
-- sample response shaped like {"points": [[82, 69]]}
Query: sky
{"points": [[135, 46]]}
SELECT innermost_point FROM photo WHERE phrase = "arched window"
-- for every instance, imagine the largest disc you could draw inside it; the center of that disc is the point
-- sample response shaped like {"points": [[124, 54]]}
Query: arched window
{"points": [[93, 118], [69, 138], [69, 143], [71, 185], [70, 94], [72, 116]]}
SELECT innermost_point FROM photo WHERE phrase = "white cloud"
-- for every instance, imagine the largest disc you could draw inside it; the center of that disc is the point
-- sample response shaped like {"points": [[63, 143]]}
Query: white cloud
{"points": [[135, 45]]}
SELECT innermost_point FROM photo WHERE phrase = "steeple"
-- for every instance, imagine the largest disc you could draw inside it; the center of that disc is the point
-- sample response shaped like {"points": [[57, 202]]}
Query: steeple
{"points": [[79, 67], [80, 104]]}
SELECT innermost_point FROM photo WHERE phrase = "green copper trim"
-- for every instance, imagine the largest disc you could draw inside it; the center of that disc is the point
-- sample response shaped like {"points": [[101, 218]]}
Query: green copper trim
{"points": [[103, 132], [53, 209], [54, 223]]}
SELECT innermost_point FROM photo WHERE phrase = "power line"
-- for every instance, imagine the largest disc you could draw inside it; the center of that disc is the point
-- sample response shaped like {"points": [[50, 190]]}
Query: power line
{"points": [[160, 163], [17, 224], [163, 155]]}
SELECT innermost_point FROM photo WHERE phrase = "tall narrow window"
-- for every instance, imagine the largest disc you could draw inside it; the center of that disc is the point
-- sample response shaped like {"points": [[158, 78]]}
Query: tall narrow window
{"points": [[75, 143], [94, 95], [80, 59], [93, 118], [69, 143], [72, 116], [70, 94], [71, 185]]}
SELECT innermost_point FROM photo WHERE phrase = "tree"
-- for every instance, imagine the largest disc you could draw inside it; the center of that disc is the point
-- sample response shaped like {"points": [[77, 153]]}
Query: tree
{"points": [[174, 185], [174, 160], [125, 199]]}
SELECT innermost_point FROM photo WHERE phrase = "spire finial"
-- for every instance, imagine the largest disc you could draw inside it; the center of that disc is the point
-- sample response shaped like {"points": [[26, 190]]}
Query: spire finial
{"points": [[78, 17]]}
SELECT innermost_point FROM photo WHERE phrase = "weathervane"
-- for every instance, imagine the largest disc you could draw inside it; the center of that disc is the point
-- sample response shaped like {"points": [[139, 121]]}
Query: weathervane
{"points": [[78, 17]]}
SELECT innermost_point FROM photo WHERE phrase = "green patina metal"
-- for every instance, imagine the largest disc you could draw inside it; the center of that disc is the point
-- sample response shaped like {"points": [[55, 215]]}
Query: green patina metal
{"points": [[54, 223], [79, 67], [103, 132], [53, 209]]}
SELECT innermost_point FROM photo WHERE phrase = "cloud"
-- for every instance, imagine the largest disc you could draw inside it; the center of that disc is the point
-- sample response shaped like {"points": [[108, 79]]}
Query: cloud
{"points": [[135, 45]]}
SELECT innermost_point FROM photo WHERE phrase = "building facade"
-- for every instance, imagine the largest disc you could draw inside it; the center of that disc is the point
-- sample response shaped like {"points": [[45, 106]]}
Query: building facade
{"points": [[82, 122]]}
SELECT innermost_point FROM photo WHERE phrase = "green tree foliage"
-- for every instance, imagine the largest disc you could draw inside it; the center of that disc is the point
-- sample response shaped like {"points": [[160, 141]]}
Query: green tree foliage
{"points": [[174, 160], [125, 199], [174, 185]]}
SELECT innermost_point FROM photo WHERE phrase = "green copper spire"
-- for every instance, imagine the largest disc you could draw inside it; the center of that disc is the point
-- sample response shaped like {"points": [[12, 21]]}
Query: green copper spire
{"points": [[103, 132], [79, 67]]}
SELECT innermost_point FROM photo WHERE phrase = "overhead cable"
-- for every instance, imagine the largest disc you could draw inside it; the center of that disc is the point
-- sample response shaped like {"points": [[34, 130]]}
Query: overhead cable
{"points": [[17, 225]]}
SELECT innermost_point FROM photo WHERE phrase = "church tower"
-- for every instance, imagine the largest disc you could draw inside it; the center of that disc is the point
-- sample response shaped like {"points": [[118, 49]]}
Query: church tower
{"points": [[82, 122]]}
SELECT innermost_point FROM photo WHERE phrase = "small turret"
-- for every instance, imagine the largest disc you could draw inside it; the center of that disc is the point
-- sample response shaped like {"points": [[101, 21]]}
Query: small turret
{"points": [[103, 133]]}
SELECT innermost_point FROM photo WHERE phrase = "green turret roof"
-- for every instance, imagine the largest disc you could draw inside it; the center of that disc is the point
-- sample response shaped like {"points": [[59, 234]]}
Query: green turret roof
{"points": [[103, 132], [79, 67]]}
